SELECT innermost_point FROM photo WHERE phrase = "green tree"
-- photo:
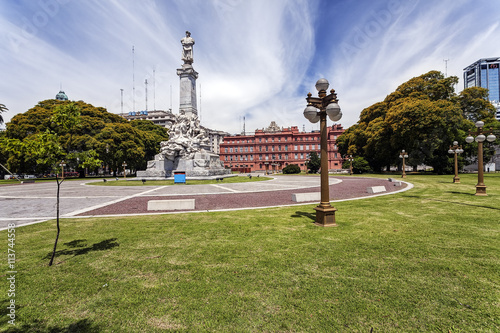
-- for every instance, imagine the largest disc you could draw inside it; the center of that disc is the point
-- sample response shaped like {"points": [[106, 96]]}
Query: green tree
{"points": [[291, 169], [359, 165], [314, 162], [422, 116], [118, 143], [475, 105], [151, 136]]}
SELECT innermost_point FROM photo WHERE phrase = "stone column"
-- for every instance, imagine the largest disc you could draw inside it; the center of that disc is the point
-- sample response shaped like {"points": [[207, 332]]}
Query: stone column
{"points": [[188, 77]]}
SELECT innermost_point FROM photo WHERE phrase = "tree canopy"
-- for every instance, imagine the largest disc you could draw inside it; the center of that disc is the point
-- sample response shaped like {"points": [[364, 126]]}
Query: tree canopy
{"points": [[83, 135], [423, 116]]}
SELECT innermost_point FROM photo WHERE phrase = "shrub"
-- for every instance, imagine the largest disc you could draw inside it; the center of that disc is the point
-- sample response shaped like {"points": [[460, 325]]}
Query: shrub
{"points": [[291, 168]]}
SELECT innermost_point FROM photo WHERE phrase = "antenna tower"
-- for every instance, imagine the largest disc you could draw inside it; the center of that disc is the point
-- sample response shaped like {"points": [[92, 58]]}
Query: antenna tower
{"points": [[154, 91], [121, 92], [446, 67], [146, 84], [133, 77]]}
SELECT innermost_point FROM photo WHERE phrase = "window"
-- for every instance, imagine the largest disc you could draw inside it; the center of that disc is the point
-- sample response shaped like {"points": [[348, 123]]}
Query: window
{"points": [[251, 157], [246, 149], [225, 150], [251, 149], [307, 147], [301, 147], [260, 139], [296, 156], [272, 148], [267, 148], [266, 139], [272, 139], [230, 149], [260, 157], [286, 148], [260, 148], [295, 147], [267, 158]]}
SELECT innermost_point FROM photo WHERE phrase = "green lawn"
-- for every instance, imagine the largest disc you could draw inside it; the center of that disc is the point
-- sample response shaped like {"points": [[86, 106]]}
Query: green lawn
{"points": [[425, 260]]}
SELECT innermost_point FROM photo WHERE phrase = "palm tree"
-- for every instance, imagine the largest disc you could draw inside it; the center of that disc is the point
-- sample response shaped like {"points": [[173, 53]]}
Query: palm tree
{"points": [[3, 108]]}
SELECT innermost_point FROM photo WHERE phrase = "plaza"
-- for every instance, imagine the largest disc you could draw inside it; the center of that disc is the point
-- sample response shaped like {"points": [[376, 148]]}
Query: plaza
{"points": [[25, 204]]}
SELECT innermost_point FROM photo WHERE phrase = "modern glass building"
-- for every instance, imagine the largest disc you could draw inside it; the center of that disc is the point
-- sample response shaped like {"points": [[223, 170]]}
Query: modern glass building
{"points": [[485, 73]]}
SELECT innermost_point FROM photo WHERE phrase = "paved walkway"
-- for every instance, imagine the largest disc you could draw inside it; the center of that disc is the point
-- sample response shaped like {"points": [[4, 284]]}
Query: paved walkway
{"points": [[32, 203]]}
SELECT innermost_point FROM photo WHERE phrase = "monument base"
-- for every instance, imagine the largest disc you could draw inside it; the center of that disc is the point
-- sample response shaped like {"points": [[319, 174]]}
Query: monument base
{"points": [[202, 165]]}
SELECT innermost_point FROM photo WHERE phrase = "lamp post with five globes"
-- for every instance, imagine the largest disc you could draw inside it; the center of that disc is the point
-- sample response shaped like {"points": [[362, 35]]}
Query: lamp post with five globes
{"points": [[317, 109], [480, 137], [456, 149]]}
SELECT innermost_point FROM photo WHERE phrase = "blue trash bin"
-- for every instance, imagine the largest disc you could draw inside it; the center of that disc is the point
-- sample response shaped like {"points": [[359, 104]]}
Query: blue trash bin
{"points": [[179, 177]]}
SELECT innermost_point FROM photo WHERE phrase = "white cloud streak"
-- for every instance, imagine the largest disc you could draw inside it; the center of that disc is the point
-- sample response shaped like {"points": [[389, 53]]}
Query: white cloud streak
{"points": [[256, 59]]}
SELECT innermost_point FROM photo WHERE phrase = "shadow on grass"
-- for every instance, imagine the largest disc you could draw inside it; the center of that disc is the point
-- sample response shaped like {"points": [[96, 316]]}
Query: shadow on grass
{"points": [[80, 326], [304, 214], [101, 246]]}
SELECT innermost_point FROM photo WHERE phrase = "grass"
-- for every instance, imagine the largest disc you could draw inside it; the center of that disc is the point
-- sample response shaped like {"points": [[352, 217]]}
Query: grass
{"points": [[229, 180], [425, 260]]}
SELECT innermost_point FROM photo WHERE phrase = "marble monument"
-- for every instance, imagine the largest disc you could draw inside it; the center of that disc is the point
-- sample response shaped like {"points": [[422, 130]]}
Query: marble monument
{"points": [[188, 147]]}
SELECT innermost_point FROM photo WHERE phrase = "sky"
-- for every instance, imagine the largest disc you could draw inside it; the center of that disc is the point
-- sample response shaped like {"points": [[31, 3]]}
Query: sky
{"points": [[256, 59]]}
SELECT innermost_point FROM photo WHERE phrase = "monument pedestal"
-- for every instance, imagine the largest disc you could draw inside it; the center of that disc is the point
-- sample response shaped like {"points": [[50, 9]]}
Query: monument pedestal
{"points": [[188, 77]]}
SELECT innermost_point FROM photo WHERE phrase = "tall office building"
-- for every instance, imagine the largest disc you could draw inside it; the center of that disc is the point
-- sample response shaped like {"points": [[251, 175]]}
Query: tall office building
{"points": [[485, 73]]}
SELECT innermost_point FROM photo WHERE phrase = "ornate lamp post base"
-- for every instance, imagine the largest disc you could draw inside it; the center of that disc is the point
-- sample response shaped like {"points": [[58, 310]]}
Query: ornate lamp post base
{"points": [[456, 180], [481, 190], [325, 216]]}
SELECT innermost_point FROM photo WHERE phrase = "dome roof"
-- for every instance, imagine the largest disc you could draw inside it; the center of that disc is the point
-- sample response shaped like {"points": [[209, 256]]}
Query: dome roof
{"points": [[61, 96]]}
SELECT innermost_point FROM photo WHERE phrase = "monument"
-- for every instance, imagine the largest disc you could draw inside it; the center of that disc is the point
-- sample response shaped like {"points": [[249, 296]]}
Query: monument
{"points": [[188, 147]]}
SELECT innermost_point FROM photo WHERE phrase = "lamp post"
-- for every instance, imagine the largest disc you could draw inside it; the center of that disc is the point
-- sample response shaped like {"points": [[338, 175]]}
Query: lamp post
{"points": [[480, 137], [350, 159], [456, 149], [403, 155], [62, 165], [124, 164], [317, 109]]}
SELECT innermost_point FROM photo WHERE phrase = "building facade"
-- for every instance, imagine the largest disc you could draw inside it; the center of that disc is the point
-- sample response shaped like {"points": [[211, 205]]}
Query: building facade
{"points": [[485, 73], [274, 148]]}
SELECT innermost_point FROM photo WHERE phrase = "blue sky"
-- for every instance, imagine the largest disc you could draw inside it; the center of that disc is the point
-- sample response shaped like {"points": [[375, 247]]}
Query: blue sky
{"points": [[256, 59]]}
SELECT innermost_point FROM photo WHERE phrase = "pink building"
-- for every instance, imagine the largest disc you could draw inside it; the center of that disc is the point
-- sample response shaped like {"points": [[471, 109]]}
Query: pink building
{"points": [[274, 148]]}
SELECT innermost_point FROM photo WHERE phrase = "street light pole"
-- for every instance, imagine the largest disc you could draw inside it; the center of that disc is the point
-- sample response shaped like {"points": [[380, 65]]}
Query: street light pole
{"points": [[456, 149], [350, 159], [480, 137], [403, 155], [317, 109], [62, 165], [124, 164]]}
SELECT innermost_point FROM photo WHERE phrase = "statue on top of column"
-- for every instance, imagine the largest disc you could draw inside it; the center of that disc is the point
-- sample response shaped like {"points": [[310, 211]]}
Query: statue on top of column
{"points": [[187, 48]]}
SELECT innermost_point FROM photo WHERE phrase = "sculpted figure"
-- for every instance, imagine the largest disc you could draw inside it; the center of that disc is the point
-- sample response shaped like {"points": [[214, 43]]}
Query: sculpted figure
{"points": [[187, 48]]}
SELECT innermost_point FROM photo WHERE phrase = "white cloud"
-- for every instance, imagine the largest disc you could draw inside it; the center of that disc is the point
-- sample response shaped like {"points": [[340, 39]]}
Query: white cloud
{"points": [[256, 59]]}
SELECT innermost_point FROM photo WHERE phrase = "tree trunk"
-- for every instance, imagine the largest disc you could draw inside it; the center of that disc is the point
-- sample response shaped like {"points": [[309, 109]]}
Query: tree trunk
{"points": [[57, 220]]}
